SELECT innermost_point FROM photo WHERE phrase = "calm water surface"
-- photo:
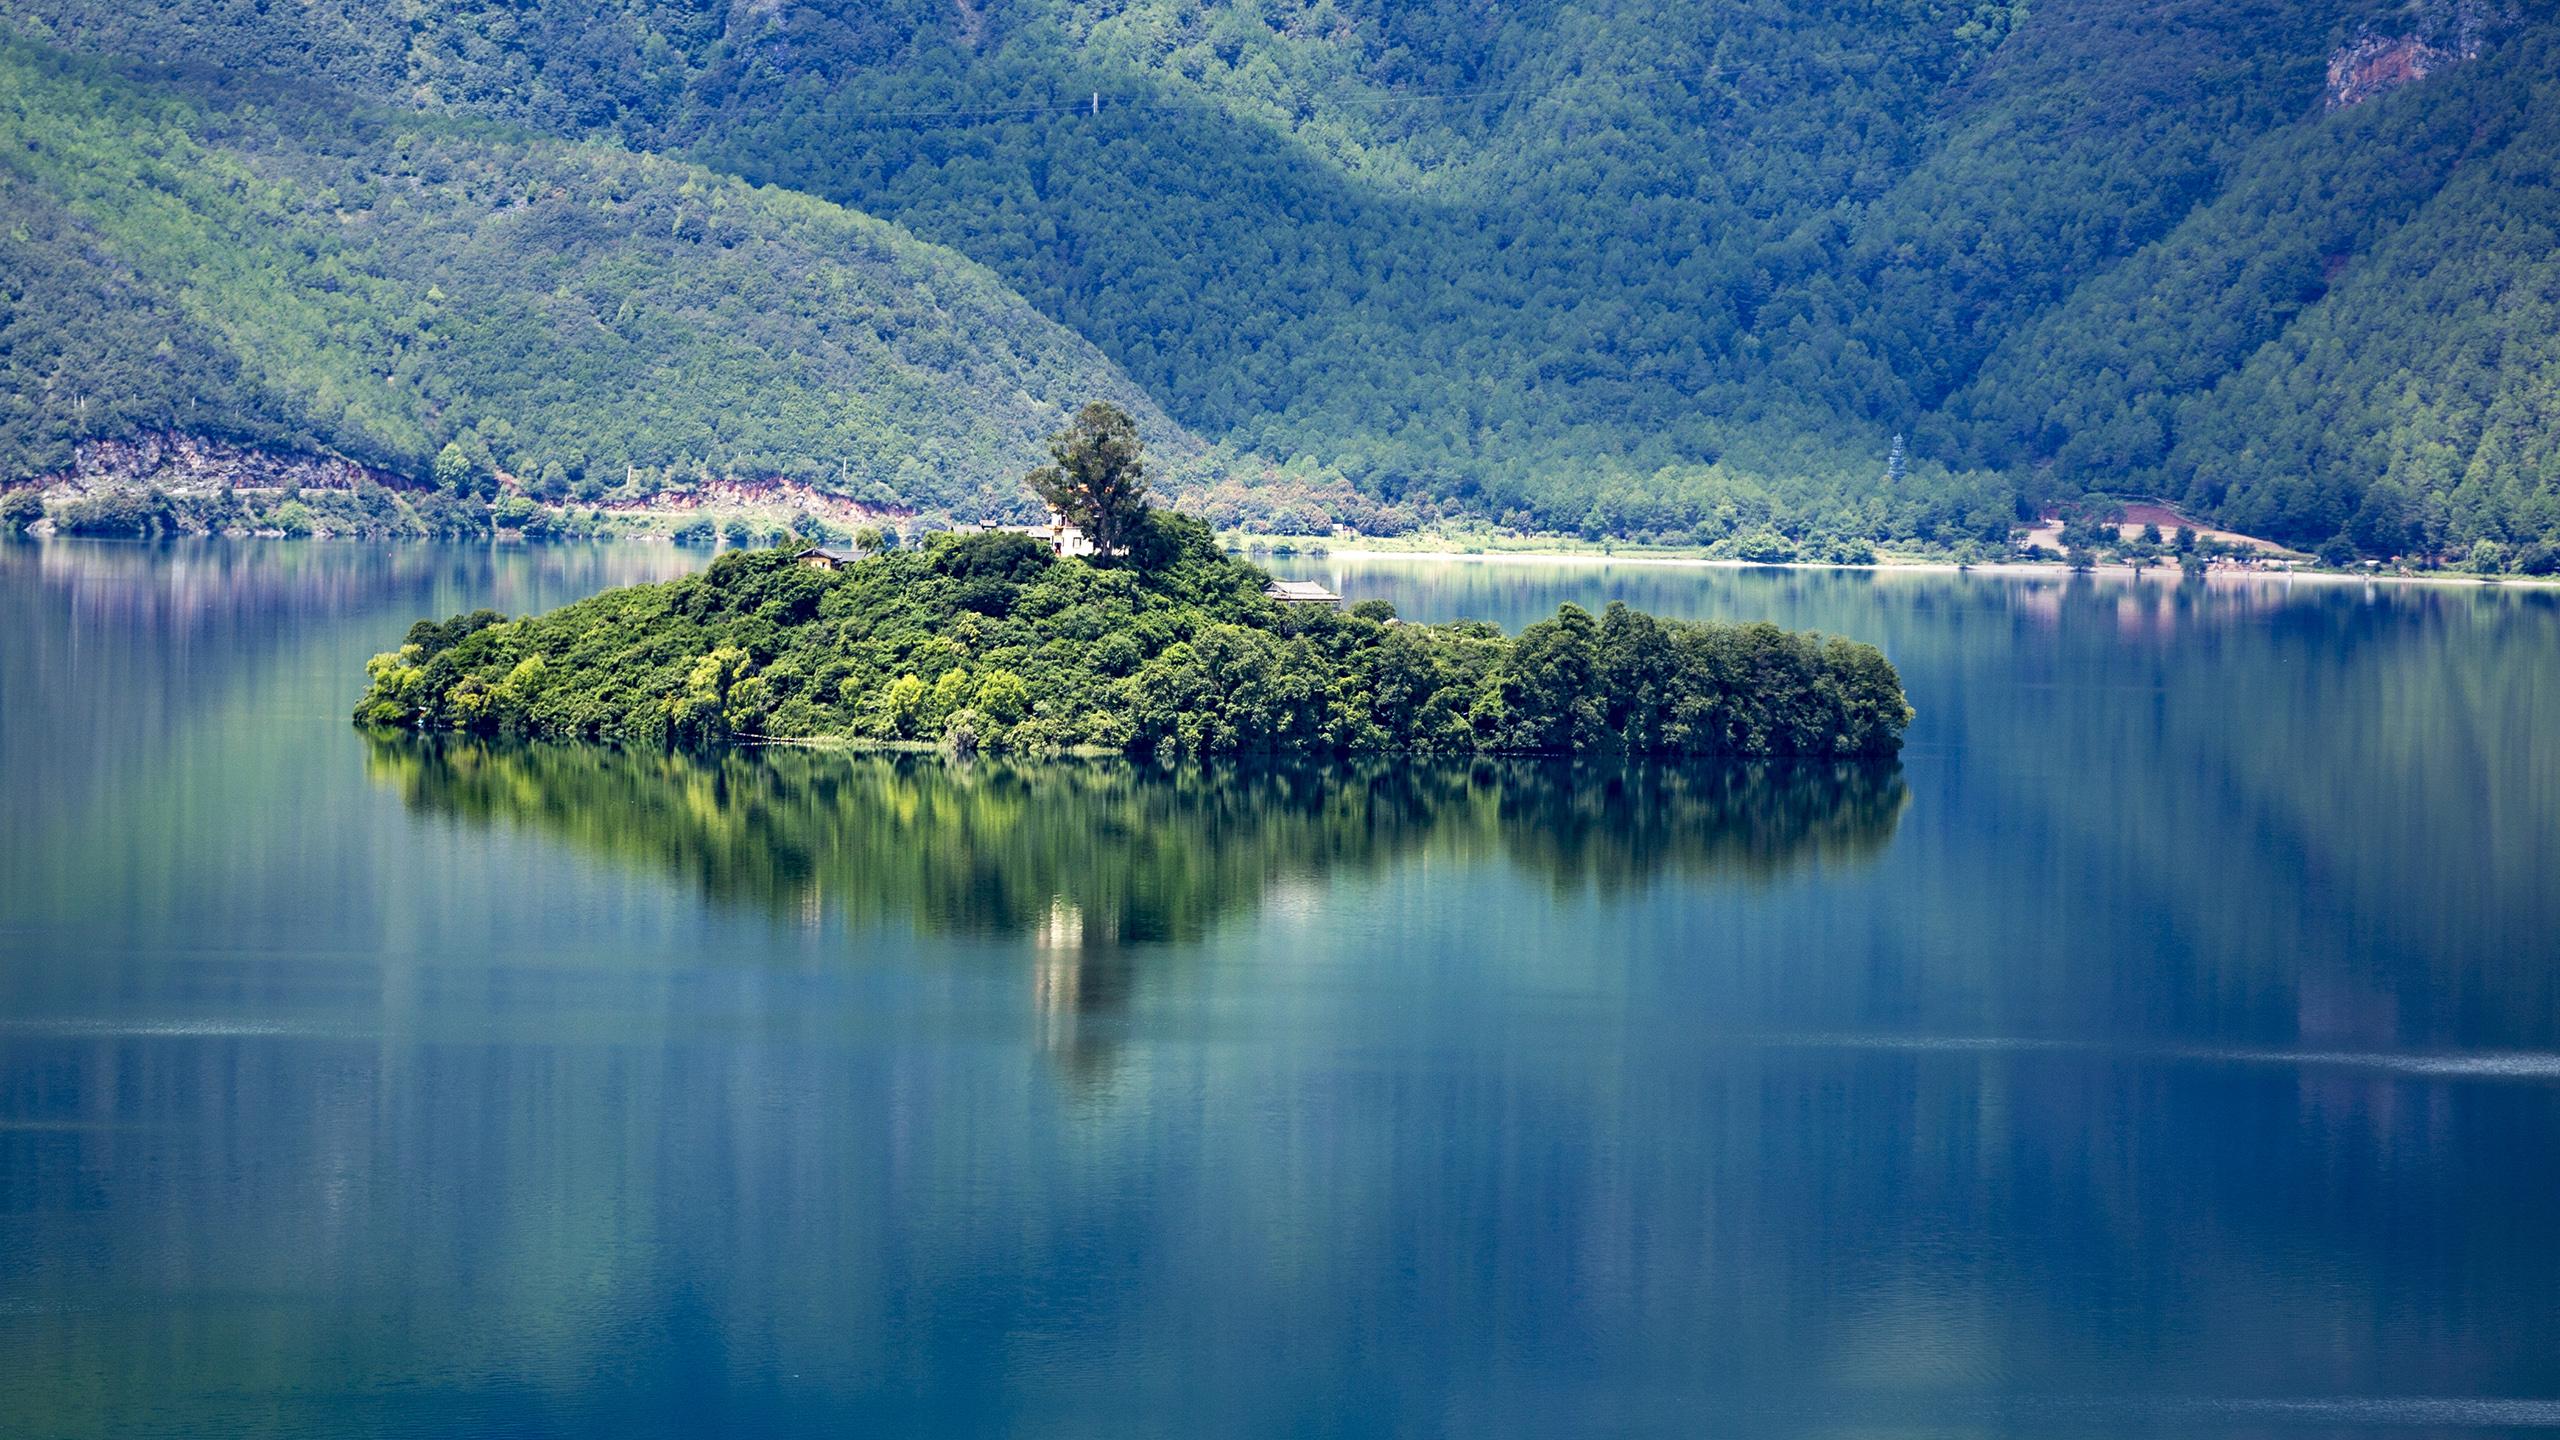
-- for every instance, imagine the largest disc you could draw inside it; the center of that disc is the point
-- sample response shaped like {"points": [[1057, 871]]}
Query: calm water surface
{"points": [[2169, 1045]]}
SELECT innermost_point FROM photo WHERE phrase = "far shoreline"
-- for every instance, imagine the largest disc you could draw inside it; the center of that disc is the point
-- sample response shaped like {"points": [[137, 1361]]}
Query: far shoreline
{"points": [[1886, 564], [1324, 548]]}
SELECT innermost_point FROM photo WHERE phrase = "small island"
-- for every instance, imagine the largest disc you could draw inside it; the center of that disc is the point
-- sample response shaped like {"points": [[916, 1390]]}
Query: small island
{"points": [[1119, 627]]}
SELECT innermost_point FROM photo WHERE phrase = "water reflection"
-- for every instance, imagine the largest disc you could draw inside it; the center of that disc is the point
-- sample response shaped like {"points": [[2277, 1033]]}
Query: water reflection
{"points": [[1085, 854], [1092, 862], [2180, 1057]]}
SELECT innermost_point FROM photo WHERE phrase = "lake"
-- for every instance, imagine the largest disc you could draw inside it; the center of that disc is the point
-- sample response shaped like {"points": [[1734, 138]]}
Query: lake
{"points": [[2169, 1044]]}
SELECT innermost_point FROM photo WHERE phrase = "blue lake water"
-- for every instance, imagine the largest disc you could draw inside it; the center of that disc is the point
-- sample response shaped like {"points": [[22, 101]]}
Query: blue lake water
{"points": [[2169, 1045]]}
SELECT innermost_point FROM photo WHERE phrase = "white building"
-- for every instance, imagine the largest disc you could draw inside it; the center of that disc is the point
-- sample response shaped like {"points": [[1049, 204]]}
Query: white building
{"points": [[1062, 538], [1300, 592]]}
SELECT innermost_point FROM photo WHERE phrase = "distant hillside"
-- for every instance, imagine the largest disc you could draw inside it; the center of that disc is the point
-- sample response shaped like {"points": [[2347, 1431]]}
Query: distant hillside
{"points": [[1651, 267], [2359, 329], [248, 261]]}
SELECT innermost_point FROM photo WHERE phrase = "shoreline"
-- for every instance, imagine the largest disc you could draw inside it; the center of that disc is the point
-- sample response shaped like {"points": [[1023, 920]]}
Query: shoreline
{"points": [[2007, 568], [1884, 565]]}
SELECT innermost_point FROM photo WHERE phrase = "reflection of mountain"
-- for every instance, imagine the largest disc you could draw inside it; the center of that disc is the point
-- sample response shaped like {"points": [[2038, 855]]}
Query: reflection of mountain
{"points": [[152, 652], [1078, 854]]}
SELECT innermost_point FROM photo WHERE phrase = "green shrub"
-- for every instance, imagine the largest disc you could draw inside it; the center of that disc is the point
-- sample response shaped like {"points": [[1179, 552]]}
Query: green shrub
{"points": [[1002, 697], [129, 512], [1760, 547], [19, 509]]}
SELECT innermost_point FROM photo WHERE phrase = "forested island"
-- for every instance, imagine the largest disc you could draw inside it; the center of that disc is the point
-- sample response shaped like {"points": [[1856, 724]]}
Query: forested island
{"points": [[1152, 640], [989, 641]]}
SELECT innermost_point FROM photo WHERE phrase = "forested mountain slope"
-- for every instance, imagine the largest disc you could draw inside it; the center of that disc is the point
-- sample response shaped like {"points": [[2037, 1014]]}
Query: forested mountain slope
{"points": [[246, 260], [1648, 266], [2357, 330]]}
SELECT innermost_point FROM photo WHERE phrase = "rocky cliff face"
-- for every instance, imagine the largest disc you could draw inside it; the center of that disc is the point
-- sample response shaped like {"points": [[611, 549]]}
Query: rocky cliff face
{"points": [[174, 482], [2435, 35], [2373, 65], [180, 464]]}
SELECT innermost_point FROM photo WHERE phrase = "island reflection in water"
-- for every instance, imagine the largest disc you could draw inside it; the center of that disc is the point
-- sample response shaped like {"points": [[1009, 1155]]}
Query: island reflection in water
{"points": [[1102, 853], [1091, 861]]}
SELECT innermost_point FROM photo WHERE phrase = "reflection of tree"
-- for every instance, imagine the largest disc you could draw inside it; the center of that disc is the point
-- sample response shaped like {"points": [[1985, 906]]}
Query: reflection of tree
{"points": [[1078, 855], [1619, 826]]}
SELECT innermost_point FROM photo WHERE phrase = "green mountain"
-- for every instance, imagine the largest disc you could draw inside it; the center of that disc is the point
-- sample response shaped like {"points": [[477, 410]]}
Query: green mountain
{"points": [[1638, 266], [240, 259]]}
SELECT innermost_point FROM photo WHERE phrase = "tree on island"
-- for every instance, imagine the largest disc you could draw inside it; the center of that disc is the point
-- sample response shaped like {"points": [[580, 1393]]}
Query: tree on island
{"points": [[1097, 477]]}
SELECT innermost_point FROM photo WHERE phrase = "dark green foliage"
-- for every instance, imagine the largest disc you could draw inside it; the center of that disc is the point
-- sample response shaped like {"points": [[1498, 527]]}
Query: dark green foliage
{"points": [[132, 512], [1096, 478], [1763, 546], [433, 637], [454, 473], [983, 641], [2090, 530], [998, 557], [19, 509]]}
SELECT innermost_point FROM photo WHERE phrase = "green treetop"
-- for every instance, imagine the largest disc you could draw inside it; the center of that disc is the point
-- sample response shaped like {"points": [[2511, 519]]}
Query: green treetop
{"points": [[1097, 476]]}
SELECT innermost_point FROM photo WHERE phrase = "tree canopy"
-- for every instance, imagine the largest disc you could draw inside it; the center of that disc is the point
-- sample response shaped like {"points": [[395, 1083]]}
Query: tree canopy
{"points": [[1097, 476], [985, 641]]}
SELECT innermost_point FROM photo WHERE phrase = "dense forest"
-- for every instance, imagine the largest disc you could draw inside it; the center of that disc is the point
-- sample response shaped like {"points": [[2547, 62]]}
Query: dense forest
{"points": [[988, 641], [1639, 268], [248, 262]]}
